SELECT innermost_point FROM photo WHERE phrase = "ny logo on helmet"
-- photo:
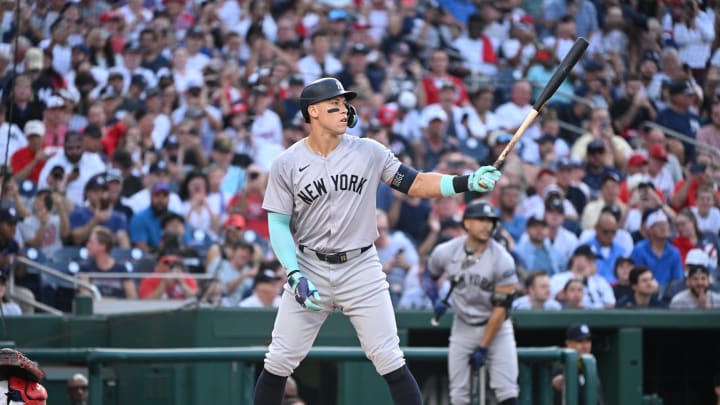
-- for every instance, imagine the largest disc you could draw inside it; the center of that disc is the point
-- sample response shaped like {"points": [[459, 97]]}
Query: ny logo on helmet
{"points": [[339, 85]]}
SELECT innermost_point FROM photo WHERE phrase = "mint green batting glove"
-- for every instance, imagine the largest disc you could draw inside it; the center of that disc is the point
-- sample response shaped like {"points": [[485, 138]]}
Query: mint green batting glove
{"points": [[483, 179]]}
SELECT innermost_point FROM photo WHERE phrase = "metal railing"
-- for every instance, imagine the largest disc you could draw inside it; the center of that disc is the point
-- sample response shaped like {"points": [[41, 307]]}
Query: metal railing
{"points": [[96, 357], [50, 271]]}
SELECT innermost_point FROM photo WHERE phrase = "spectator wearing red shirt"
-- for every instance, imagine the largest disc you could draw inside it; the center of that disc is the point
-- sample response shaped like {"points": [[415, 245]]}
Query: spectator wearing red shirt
{"points": [[180, 287], [248, 203], [432, 83], [684, 192], [28, 162]]}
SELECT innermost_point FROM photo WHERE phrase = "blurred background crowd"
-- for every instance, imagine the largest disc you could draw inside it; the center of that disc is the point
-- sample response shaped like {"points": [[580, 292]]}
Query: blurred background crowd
{"points": [[137, 136]]}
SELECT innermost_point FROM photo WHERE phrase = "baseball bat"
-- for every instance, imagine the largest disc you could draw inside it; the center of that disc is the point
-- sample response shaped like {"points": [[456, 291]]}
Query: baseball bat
{"points": [[561, 73]]}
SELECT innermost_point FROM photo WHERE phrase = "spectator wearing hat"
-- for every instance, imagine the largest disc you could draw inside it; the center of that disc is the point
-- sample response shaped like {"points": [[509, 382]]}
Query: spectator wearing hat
{"points": [[634, 107], [99, 247], [570, 189], [697, 256], [97, 210], [637, 167], [609, 194], [121, 162], [596, 170], [54, 120], [195, 46], [145, 225], [9, 248], [559, 236], [92, 140], [540, 72], [22, 102], [698, 294], [661, 178], [132, 67], [434, 122], [537, 297], [358, 71], [181, 286], [265, 292], [28, 161], [579, 338], [158, 173], [536, 250], [179, 237], [644, 290], [48, 225], [656, 251], [597, 293], [78, 165], [511, 114], [319, 62], [679, 117]]}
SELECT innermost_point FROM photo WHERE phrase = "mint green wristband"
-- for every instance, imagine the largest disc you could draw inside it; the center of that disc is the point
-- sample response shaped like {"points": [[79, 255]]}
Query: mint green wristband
{"points": [[446, 185]]}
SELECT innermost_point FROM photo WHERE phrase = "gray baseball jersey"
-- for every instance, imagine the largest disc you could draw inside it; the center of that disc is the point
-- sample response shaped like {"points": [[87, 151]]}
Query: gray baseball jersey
{"points": [[331, 199], [471, 297], [332, 203], [471, 302]]}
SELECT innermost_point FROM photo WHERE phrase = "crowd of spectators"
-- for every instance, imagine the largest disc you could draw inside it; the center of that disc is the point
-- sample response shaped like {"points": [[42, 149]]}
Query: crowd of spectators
{"points": [[138, 135]]}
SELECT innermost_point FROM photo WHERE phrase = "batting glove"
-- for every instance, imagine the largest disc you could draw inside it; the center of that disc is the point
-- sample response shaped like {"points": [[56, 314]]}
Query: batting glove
{"points": [[439, 309], [304, 290], [487, 175], [477, 357]]}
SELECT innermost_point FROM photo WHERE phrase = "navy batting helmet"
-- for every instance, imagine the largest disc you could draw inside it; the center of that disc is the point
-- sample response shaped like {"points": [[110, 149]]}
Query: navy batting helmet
{"points": [[325, 89], [480, 210]]}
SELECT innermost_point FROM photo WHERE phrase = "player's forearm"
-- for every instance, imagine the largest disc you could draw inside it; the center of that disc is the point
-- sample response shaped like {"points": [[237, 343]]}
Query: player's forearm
{"points": [[497, 317], [282, 241], [436, 185]]}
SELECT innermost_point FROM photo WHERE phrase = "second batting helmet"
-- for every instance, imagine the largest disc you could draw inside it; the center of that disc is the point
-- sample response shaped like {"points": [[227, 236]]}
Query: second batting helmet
{"points": [[480, 210], [325, 89]]}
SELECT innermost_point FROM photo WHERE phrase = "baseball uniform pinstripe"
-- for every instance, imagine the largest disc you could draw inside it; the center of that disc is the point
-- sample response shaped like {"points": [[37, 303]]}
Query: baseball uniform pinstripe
{"points": [[471, 298]]}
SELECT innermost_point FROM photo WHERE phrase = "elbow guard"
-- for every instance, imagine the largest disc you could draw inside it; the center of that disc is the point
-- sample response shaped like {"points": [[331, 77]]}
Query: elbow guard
{"points": [[503, 300]]}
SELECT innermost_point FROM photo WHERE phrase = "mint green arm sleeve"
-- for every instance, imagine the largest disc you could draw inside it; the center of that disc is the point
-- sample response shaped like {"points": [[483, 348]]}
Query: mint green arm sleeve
{"points": [[282, 241]]}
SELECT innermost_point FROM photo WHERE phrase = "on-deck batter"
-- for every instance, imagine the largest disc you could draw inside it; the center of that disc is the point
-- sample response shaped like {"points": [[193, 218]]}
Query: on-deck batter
{"points": [[323, 188], [485, 279]]}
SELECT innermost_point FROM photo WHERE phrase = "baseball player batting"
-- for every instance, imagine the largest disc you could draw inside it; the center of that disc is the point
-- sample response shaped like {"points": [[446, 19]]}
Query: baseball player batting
{"points": [[481, 333], [325, 186]]}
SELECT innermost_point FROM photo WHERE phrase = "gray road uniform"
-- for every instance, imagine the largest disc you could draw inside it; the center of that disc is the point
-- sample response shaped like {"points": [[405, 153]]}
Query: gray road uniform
{"points": [[472, 307], [332, 204]]}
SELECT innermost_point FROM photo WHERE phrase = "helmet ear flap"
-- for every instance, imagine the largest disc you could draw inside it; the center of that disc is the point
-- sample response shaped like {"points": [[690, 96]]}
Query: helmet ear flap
{"points": [[352, 118]]}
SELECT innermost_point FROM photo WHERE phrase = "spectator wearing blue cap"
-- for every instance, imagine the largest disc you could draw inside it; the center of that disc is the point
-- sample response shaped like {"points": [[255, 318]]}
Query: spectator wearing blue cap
{"points": [[158, 173], [146, 225], [678, 115], [97, 210], [536, 250], [596, 170], [579, 338]]}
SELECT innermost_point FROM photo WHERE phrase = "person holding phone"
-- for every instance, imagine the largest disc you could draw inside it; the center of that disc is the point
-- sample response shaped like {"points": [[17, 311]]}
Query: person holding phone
{"points": [[179, 287], [97, 210]]}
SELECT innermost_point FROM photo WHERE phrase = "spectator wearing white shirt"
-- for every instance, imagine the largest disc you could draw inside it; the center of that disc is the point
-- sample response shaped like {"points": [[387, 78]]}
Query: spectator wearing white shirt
{"points": [[194, 42], [707, 215], [319, 62], [266, 291], [78, 165], [660, 176], [694, 34], [538, 297], [477, 49], [183, 75], [598, 293], [511, 114]]}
